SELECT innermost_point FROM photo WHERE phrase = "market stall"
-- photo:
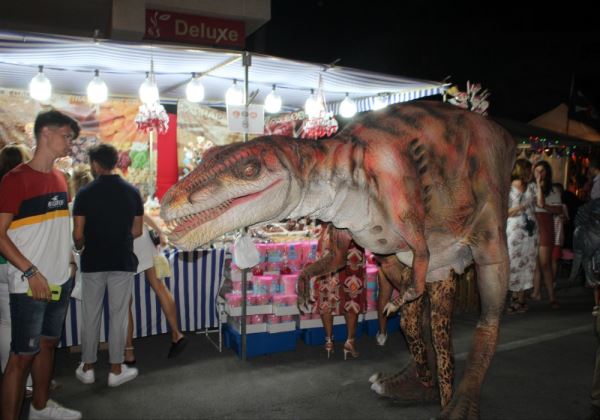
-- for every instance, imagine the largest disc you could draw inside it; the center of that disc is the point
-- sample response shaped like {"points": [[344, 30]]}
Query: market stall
{"points": [[194, 285], [162, 106]]}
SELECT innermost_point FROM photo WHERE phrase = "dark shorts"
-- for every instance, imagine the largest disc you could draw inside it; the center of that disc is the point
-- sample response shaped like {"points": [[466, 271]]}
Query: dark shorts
{"points": [[546, 227], [32, 319]]}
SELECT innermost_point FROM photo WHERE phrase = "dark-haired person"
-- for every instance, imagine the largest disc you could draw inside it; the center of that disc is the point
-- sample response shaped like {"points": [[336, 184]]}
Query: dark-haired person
{"points": [[595, 176], [107, 216], [34, 238], [544, 217]]}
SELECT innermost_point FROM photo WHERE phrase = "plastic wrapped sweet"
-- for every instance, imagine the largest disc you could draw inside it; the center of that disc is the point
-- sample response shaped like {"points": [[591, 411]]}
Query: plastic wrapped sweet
{"points": [[263, 299], [288, 283], [258, 318], [279, 300], [234, 300]]}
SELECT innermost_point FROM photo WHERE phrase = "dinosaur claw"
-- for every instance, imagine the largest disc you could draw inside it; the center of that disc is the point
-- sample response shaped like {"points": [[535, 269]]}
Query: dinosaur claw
{"points": [[390, 308], [377, 388], [374, 377]]}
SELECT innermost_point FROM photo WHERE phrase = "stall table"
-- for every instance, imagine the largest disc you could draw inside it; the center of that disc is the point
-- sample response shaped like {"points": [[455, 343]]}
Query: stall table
{"points": [[195, 283]]}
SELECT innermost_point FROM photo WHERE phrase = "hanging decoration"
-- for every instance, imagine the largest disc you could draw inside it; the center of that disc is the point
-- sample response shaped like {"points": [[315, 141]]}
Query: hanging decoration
{"points": [[152, 117], [321, 124], [472, 99]]}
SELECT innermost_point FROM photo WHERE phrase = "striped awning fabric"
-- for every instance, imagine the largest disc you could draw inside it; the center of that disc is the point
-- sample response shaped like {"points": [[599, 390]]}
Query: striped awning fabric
{"points": [[69, 63]]}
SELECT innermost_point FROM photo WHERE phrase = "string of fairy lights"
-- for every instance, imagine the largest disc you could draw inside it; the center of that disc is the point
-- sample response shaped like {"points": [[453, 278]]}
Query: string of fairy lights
{"points": [[40, 89]]}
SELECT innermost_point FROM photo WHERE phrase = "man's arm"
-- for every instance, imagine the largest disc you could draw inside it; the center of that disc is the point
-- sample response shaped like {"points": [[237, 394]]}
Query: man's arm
{"points": [[138, 225], [37, 282], [78, 237]]}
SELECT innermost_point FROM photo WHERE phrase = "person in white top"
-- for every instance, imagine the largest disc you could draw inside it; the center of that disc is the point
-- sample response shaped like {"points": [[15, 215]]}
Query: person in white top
{"points": [[522, 233], [544, 216]]}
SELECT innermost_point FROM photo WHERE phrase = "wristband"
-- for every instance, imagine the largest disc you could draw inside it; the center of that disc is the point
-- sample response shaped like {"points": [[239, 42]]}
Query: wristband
{"points": [[29, 273], [78, 251]]}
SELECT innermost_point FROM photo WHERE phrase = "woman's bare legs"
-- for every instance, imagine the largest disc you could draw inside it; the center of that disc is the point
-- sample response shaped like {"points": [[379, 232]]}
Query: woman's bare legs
{"points": [[129, 354], [167, 304], [545, 257], [383, 297], [327, 320], [351, 322], [536, 293]]}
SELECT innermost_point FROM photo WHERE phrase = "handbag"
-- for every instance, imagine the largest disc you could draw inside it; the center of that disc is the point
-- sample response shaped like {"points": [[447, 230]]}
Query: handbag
{"points": [[154, 237], [161, 266]]}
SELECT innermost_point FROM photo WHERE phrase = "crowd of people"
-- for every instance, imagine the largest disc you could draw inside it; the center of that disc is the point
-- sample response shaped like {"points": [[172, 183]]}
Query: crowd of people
{"points": [[67, 236], [540, 229]]}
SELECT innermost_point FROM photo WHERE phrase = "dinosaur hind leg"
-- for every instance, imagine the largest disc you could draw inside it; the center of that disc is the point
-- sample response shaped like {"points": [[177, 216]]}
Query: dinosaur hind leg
{"points": [[441, 296], [492, 289], [414, 383]]}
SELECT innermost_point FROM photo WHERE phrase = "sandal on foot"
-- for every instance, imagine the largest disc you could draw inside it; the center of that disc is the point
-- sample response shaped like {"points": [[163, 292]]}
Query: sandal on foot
{"points": [[177, 347], [132, 361]]}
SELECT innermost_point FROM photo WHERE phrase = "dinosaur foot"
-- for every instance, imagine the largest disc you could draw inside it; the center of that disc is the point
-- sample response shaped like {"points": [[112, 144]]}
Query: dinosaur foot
{"points": [[462, 406], [404, 386]]}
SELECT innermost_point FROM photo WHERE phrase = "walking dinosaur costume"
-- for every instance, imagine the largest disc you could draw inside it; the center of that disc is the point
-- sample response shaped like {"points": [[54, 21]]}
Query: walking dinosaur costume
{"points": [[424, 185]]}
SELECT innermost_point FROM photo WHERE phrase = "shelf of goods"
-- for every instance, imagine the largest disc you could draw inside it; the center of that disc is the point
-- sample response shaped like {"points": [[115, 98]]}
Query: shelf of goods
{"points": [[273, 321], [195, 283]]}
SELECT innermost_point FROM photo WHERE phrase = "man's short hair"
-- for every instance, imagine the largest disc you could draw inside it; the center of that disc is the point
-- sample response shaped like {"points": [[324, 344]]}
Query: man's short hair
{"points": [[54, 118], [595, 163], [106, 155]]}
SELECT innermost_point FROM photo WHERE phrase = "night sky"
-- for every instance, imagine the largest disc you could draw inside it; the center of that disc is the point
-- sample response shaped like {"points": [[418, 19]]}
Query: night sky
{"points": [[515, 53]]}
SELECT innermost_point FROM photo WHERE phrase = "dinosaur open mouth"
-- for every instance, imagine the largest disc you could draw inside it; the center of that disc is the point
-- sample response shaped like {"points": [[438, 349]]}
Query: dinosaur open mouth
{"points": [[178, 227]]}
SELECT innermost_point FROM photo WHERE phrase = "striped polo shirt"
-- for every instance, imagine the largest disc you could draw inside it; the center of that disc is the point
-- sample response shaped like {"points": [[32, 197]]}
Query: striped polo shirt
{"points": [[40, 228]]}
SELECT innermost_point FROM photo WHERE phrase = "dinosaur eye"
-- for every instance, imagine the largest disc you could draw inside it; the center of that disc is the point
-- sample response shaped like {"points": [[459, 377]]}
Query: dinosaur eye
{"points": [[250, 170]]}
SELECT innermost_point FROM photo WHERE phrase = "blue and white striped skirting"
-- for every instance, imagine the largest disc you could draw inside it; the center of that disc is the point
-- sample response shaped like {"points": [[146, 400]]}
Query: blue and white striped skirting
{"points": [[195, 284]]}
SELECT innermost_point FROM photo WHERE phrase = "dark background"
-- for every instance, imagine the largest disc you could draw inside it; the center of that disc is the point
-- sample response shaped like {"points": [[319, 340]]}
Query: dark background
{"points": [[526, 56]]}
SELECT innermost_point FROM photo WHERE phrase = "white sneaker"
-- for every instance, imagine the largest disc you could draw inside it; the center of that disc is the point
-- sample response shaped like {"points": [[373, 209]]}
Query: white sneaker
{"points": [[53, 410], [381, 339], [87, 376], [127, 374]]}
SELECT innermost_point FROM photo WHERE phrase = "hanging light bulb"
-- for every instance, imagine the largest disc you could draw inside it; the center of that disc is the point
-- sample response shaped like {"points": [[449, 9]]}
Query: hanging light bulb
{"points": [[314, 105], [347, 107], [234, 95], [97, 92], [379, 102], [40, 87], [194, 91], [148, 90], [273, 102]]}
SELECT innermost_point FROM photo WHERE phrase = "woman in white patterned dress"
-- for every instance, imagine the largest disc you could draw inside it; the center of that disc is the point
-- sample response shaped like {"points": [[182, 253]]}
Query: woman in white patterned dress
{"points": [[522, 233]]}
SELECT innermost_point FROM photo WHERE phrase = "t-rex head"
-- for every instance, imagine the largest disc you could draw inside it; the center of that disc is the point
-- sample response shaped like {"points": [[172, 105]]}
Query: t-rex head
{"points": [[234, 186]]}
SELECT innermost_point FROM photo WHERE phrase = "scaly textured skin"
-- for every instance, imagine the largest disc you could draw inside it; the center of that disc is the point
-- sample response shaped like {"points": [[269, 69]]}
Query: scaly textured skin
{"points": [[425, 181]]}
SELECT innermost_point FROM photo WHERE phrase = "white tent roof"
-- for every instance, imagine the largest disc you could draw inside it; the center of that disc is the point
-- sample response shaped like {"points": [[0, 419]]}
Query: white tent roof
{"points": [[558, 120], [69, 63]]}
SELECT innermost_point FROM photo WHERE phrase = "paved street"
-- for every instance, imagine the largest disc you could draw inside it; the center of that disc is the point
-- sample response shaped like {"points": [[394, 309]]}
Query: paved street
{"points": [[542, 370]]}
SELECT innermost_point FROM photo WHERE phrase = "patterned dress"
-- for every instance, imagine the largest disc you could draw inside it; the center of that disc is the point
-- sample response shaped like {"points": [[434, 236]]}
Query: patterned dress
{"points": [[522, 246], [343, 291]]}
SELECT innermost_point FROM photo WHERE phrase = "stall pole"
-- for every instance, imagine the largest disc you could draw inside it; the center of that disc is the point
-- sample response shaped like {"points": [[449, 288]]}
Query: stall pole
{"points": [[246, 62], [151, 140]]}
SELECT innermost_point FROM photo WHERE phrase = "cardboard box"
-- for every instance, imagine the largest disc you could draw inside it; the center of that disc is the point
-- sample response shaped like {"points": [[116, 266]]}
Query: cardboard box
{"points": [[281, 327], [261, 343]]}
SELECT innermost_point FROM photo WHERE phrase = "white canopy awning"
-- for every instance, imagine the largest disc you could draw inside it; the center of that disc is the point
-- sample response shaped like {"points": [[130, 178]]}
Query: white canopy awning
{"points": [[69, 63]]}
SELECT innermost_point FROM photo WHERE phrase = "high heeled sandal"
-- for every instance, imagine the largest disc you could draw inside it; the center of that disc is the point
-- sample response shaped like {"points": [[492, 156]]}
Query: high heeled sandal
{"points": [[130, 362], [349, 349], [329, 345]]}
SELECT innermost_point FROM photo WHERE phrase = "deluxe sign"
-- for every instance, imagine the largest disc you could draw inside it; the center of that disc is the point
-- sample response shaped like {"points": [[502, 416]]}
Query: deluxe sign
{"points": [[192, 29]]}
